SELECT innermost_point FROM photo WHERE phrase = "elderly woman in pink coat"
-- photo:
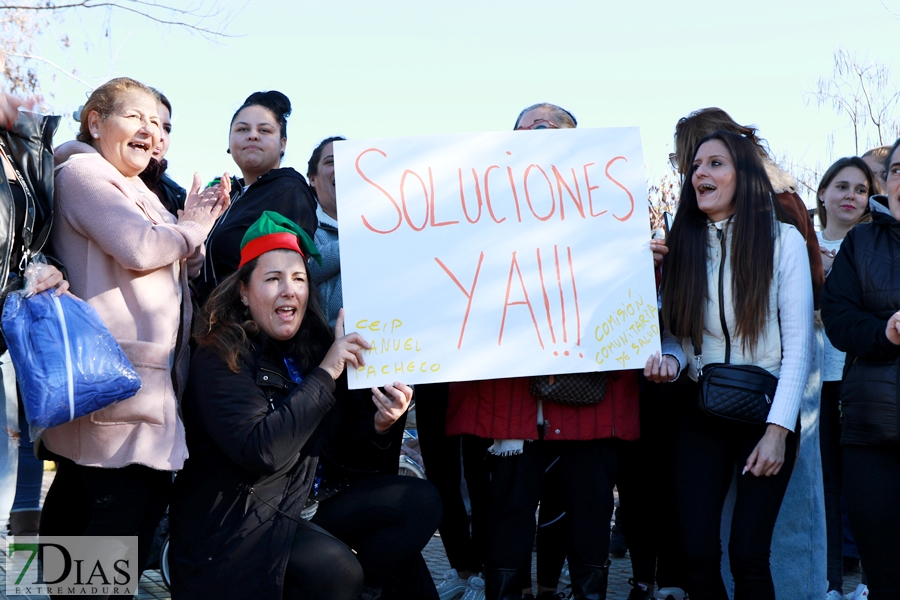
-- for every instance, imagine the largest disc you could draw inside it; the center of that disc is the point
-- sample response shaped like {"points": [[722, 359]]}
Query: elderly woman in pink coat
{"points": [[130, 259]]}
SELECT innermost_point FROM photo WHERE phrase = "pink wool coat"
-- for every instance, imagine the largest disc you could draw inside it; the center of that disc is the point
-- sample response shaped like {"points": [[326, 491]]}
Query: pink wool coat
{"points": [[128, 258]]}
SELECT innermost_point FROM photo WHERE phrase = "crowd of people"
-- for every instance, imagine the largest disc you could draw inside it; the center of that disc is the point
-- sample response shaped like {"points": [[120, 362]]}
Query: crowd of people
{"points": [[282, 483]]}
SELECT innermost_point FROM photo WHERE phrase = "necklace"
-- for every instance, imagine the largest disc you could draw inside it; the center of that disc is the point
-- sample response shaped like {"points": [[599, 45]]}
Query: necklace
{"points": [[830, 239]]}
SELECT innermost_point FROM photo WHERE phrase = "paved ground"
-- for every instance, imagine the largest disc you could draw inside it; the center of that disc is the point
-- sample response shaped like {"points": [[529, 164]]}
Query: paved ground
{"points": [[151, 585]]}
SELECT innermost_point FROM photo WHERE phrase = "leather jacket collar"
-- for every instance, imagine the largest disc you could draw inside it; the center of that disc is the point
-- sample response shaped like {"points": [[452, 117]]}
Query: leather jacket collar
{"points": [[29, 145]]}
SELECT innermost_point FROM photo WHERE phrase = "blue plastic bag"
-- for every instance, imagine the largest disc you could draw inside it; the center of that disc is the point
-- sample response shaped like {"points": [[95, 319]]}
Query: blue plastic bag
{"points": [[67, 362]]}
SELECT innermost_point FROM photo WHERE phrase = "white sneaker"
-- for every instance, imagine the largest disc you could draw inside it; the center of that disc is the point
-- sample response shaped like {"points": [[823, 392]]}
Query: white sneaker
{"points": [[474, 589], [564, 577], [862, 591], [452, 586], [834, 595], [674, 593]]}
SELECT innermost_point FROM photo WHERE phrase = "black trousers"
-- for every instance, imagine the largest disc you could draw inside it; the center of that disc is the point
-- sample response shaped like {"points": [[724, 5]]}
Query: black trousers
{"points": [[552, 537], [872, 490], [708, 453], [321, 567], [830, 447], [448, 459], [646, 486], [553, 529], [90, 501], [587, 472], [387, 520]]}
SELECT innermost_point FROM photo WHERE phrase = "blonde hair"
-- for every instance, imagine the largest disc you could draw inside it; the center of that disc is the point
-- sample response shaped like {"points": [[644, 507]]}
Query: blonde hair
{"points": [[105, 100]]}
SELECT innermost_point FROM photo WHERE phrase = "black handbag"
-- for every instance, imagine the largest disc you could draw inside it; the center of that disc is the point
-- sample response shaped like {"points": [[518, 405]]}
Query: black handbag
{"points": [[573, 389], [742, 393], [737, 392]]}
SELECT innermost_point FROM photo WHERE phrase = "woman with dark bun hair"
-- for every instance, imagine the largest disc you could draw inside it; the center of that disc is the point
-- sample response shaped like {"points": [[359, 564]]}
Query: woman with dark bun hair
{"points": [[257, 142]]}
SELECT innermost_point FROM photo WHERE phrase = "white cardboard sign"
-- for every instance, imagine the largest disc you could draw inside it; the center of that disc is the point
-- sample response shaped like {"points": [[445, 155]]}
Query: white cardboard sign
{"points": [[482, 256]]}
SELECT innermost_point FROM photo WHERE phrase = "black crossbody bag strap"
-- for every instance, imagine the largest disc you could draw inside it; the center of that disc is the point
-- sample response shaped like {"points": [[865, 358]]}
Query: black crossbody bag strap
{"points": [[698, 349]]}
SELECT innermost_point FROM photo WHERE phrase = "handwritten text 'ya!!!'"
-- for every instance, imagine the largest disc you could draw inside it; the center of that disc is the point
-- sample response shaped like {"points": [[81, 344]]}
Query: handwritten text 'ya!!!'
{"points": [[516, 283]]}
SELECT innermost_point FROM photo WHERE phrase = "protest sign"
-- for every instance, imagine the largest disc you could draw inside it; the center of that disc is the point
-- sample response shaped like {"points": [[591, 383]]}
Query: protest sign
{"points": [[482, 256]]}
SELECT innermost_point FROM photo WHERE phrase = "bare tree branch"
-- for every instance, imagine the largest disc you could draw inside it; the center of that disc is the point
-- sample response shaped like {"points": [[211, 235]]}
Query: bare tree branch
{"points": [[52, 64], [24, 27], [662, 198], [205, 31], [865, 93]]}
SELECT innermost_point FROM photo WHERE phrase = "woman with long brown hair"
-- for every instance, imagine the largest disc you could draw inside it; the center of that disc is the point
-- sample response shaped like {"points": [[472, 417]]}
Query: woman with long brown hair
{"points": [[735, 289], [268, 507], [842, 201]]}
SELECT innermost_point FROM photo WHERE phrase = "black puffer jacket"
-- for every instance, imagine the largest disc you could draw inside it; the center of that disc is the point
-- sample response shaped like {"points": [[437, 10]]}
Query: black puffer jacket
{"points": [[861, 294]]}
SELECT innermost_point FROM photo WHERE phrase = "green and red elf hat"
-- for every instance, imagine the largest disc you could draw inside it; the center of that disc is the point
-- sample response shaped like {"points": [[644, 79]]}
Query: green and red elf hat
{"points": [[273, 231]]}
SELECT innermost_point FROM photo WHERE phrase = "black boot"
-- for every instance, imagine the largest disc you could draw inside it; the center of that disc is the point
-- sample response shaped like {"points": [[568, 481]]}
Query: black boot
{"points": [[588, 581], [502, 584]]}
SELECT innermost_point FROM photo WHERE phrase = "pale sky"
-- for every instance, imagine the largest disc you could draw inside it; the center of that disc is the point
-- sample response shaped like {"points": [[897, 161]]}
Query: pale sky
{"points": [[402, 67]]}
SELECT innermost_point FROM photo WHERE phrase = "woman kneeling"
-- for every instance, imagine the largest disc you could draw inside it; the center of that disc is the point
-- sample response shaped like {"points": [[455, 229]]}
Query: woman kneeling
{"points": [[259, 409]]}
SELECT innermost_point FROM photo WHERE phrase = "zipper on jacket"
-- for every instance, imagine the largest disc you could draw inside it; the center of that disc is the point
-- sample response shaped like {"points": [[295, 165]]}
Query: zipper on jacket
{"points": [[723, 243], [28, 225], [283, 386], [10, 234], [238, 193]]}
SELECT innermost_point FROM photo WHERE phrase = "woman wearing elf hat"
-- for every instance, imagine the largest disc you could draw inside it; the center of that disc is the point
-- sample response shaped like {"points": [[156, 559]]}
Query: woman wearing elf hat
{"points": [[260, 408]]}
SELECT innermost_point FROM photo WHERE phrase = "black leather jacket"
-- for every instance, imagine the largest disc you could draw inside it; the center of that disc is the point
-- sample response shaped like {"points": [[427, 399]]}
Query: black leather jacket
{"points": [[30, 148]]}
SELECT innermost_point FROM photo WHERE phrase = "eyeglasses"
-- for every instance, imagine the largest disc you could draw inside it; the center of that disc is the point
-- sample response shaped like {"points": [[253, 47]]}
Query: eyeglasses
{"points": [[673, 160], [539, 124]]}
